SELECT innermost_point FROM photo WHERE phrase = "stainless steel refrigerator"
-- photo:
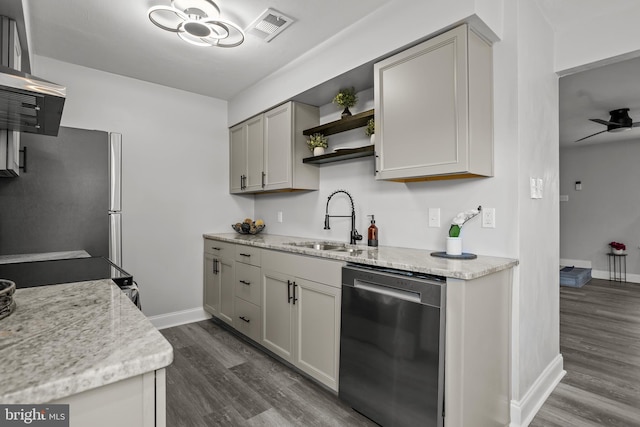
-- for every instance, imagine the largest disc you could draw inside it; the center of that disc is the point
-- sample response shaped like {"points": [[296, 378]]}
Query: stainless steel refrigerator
{"points": [[68, 198]]}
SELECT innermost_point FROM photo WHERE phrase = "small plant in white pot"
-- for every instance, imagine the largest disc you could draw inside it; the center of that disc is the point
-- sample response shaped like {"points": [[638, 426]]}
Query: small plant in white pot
{"points": [[317, 143], [454, 241], [370, 130]]}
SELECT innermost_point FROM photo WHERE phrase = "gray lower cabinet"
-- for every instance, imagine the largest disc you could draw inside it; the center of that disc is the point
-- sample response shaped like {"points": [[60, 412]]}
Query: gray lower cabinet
{"points": [[137, 401], [301, 317], [219, 283], [434, 109]]}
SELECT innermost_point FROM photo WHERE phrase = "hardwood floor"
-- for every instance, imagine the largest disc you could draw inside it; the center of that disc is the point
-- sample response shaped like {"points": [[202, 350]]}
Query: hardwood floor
{"points": [[217, 379], [600, 344]]}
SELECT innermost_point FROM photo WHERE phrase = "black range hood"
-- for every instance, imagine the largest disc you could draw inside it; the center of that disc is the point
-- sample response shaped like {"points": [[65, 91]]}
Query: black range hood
{"points": [[30, 104]]}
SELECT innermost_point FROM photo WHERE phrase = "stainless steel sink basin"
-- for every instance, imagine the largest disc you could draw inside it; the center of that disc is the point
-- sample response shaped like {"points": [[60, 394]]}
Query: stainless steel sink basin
{"points": [[350, 251], [319, 246]]}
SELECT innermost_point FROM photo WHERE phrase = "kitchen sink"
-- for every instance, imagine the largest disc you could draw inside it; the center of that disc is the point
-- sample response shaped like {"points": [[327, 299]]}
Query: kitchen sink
{"points": [[320, 246], [350, 251]]}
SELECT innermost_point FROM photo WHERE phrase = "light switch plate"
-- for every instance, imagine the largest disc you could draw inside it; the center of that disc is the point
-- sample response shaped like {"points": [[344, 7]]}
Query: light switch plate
{"points": [[434, 217], [279, 216]]}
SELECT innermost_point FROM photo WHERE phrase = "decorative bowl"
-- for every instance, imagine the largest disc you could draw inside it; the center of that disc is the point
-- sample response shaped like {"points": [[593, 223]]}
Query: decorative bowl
{"points": [[7, 303], [253, 229]]}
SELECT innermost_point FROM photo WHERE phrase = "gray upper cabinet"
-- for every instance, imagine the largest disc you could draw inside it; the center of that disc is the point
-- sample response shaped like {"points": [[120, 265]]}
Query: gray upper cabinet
{"points": [[245, 155], [266, 151], [434, 110]]}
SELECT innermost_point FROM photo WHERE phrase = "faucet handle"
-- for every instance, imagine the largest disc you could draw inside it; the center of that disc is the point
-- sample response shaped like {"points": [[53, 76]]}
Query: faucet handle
{"points": [[356, 235]]}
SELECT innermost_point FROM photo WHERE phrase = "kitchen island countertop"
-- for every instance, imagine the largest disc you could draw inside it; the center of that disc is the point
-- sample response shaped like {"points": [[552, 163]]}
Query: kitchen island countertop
{"points": [[415, 260], [68, 338]]}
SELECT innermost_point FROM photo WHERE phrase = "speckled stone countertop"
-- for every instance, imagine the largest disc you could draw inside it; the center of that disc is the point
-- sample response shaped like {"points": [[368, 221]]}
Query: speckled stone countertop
{"points": [[416, 260], [68, 338]]}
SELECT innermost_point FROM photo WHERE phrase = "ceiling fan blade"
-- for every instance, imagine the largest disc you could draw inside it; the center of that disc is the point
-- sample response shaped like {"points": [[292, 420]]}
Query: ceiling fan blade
{"points": [[597, 133], [604, 122]]}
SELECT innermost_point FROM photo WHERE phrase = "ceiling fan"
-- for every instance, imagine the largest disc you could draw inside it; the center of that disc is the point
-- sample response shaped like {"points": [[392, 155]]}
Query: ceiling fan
{"points": [[619, 121]]}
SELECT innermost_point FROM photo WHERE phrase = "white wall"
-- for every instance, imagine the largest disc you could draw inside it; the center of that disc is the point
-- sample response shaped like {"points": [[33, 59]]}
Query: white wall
{"points": [[175, 169], [536, 343], [606, 209]]}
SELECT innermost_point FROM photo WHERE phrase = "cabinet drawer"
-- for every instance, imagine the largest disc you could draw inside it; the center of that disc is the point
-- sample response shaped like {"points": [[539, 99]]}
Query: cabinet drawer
{"points": [[220, 249], [248, 254], [248, 283], [248, 319]]}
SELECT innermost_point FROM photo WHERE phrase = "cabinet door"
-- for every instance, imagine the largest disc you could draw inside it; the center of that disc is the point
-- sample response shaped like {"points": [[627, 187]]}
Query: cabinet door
{"points": [[277, 313], [425, 115], [255, 156], [227, 290], [211, 296], [278, 147], [318, 330], [237, 158]]}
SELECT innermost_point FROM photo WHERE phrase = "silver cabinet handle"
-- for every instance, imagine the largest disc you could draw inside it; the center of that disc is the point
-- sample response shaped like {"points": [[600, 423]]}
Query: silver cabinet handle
{"points": [[247, 255], [244, 282], [245, 319]]}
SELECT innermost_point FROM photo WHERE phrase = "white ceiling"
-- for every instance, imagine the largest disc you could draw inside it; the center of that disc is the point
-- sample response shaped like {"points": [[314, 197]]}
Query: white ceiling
{"points": [[116, 36]]}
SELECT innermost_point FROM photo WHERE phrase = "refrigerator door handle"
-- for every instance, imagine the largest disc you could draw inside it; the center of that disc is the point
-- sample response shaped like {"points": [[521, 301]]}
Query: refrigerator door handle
{"points": [[115, 243], [115, 172]]}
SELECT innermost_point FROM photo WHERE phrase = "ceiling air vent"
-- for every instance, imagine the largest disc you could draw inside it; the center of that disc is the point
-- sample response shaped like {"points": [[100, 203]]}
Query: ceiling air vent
{"points": [[269, 24]]}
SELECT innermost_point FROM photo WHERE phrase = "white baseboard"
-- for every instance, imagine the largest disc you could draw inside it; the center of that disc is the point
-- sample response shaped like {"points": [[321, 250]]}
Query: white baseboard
{"points": [[523, 411], [178, 318], [604, 274]]}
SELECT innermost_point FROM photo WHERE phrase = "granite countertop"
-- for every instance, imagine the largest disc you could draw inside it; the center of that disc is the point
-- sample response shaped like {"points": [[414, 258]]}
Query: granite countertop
{"points": [[415, 260], [43, 256], [68, 338]]}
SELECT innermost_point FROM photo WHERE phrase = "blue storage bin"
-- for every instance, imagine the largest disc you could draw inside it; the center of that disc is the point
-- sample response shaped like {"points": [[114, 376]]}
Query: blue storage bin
{"points": [[574, 277]]}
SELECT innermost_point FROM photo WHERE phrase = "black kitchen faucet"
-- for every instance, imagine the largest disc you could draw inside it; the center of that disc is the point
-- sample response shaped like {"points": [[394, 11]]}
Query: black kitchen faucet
{"points": [[354, 236]]}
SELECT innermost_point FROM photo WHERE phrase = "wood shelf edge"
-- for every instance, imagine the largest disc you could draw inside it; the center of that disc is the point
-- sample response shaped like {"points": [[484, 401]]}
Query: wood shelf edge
{"points": [[367, 150], [342, 125]]}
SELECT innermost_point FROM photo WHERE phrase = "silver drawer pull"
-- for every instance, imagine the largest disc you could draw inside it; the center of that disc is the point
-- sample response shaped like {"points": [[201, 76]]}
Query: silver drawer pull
{"points": [[247, 255], [245, 319], [244, 282]]}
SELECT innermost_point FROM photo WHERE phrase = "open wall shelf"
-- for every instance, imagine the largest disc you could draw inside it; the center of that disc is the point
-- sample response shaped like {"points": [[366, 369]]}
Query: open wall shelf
{"points": [[342, 125], [343, 154]]}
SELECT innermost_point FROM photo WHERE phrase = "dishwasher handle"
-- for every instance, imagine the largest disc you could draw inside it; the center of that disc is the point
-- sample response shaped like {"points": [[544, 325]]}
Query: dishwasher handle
{"points": [[385, 290]]}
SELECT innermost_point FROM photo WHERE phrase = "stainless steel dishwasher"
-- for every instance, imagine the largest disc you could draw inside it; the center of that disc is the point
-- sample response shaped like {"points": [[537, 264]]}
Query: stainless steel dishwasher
{"points": [[392, 345]]}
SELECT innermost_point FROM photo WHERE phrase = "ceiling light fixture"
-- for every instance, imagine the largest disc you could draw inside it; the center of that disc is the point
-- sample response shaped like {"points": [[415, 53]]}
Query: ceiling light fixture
{"points": [[197, 22]]}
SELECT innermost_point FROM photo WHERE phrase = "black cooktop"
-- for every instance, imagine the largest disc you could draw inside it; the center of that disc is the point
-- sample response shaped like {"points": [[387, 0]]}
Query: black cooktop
{"points": [[52, 272]]}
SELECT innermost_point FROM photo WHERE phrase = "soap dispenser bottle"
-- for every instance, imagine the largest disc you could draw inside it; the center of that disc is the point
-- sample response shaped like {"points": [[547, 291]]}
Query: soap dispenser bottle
{"points": [[372, 233]]}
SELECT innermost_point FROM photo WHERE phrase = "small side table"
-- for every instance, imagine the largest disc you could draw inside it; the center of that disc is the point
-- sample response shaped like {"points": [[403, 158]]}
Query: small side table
{"points": [[617, 267]]}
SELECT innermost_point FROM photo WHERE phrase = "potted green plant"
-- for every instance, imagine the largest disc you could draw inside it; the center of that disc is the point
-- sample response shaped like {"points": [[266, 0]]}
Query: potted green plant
{"points": [[346, 98], [317, 142], [454, 241], [370, 130]]}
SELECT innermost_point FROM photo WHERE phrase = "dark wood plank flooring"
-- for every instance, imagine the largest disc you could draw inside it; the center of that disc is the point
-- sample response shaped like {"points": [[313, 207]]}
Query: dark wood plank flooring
{"points": [[218, 379], [600, 345]]}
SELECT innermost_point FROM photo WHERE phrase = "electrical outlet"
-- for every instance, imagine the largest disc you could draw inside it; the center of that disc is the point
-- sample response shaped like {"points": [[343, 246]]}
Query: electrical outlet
{"points": [[488, 217], [279, 216], [434, 217]]}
